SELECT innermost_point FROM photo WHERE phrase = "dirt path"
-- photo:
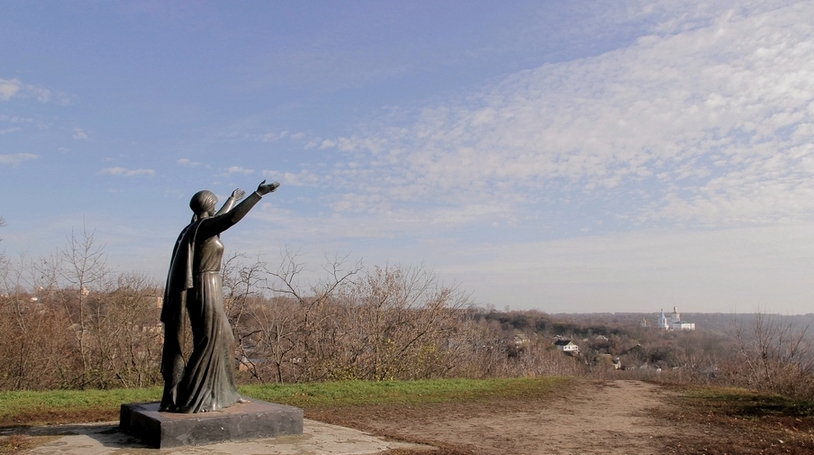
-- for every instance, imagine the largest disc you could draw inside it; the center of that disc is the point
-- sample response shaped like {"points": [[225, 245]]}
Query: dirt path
{"points": [[587, 417], [596, 417]]}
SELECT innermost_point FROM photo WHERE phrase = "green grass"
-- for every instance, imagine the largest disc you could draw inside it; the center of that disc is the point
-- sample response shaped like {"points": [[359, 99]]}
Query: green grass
{"points": [[59, 406], [365, 393], [29, 403]]}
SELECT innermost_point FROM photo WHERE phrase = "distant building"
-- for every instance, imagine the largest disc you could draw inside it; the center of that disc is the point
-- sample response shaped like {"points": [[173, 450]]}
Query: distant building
{"points": [[567, 346], [683, 325], [673, 322], [661, 323]]}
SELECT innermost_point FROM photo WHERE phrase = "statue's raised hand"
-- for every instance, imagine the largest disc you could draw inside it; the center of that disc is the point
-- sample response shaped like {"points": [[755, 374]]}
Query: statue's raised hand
{"points": [[266, 188], [238, 194]]}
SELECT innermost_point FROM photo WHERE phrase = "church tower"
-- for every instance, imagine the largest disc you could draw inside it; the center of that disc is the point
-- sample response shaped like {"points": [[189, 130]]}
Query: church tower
{"points": [[674, 317], [662, 322]]}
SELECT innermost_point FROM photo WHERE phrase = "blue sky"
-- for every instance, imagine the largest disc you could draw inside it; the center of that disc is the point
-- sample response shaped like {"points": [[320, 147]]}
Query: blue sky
{"points": [[565, 156]]}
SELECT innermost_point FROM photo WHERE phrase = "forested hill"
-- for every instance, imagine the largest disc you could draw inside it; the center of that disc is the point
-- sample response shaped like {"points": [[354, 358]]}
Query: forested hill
{"points": [[582, 325]]}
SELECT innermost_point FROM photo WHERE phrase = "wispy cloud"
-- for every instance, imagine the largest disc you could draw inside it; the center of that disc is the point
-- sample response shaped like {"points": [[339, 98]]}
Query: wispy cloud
{"points": [[15, 119], [17, 158], [79, 133], [716, 121], [272, 137], [239, 170], [302, 178], [127, 172], [187, 162], [10, 88]]}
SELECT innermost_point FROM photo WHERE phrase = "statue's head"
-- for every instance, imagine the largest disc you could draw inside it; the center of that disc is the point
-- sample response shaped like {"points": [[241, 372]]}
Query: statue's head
{"points": [[204, 201]]}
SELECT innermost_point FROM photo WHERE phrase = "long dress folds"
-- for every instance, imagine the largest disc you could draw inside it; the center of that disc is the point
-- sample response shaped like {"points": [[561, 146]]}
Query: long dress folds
{"points": [[194, 289], [209, 382]]}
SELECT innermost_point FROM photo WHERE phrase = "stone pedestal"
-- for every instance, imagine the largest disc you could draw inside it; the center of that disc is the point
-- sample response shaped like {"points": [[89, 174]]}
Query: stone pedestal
{"points": [[253, 420]]}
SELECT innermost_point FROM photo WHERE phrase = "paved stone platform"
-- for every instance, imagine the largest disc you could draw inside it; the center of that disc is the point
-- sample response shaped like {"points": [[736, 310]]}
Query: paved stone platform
{"points": [[105, 439], [253, 419]]}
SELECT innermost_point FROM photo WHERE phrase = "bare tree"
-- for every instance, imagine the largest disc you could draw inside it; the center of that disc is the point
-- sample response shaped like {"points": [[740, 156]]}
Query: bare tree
{"points": [[395, 322], [301, 328], [126, 333], [354, 323], [75, 276], [240, 284], [33, 346], [774, 356]]}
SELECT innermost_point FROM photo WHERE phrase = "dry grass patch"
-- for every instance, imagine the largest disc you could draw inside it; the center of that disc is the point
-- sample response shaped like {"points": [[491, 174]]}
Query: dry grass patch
{"points": [[739, 421]]}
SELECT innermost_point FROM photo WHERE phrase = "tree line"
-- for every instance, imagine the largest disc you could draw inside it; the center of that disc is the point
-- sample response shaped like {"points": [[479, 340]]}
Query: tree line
{"points": [[68, 321]]}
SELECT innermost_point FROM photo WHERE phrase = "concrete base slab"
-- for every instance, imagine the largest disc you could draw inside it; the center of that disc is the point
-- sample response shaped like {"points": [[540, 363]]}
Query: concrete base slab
{"points": [[105, 439], [251, 420]]}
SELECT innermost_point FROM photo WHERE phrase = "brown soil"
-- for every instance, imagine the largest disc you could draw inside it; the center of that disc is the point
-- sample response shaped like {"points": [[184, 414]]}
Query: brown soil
{"points": [[589, 417], [592, 417]]}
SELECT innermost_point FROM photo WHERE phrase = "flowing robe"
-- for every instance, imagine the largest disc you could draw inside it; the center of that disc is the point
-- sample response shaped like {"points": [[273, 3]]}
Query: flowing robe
{"points": [[194, 287]]}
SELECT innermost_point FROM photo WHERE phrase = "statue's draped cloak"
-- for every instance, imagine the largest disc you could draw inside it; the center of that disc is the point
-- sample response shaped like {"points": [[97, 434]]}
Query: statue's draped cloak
{"points": [[179, 278], [205, 382], [173, 313]]}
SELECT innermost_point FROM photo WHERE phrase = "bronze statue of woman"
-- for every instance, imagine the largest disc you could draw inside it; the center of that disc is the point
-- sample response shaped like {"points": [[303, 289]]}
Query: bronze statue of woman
{"points": [[206, 381]]}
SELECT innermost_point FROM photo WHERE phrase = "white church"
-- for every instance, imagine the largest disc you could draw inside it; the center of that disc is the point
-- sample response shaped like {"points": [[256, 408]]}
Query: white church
{"points": [[673, 322]]}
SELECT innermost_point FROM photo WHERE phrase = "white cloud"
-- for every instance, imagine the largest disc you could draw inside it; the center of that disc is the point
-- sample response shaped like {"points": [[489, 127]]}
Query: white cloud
{"points": [[15, 119], [10, 88], [272, 137], [17, 158], [455, 216], [327, 143], [313, 142], [13, 129], [361, 203], [127, 172], [187, 162], [715, 118], [79, 133], [302, 178], [43, 95], [239, 170]]}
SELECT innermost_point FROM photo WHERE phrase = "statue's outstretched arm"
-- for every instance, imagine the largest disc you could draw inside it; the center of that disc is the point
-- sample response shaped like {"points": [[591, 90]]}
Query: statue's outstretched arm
{"points": [[221, 222], [237, 195], [265, 188]]}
